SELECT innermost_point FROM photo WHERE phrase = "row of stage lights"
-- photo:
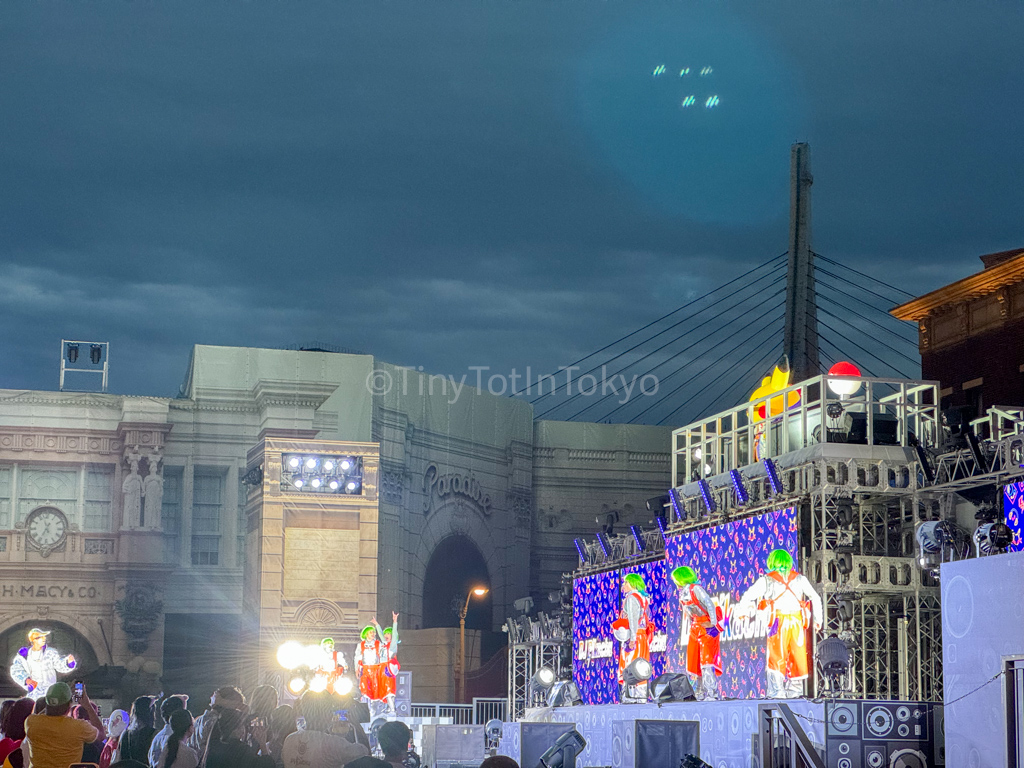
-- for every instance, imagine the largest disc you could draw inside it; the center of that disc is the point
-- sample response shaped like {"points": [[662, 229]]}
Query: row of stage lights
{"points": [[672, 499], [303, 661], [322, 474]]}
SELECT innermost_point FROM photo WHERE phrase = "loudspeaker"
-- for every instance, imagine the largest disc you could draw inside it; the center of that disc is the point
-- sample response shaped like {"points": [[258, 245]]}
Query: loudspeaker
{"points": [[453, 743], [895, 755], [403, 694], [843, 753], [939, 734], [893, 720], [672, 686], [536, 738], [842, 719], [665, 742]]}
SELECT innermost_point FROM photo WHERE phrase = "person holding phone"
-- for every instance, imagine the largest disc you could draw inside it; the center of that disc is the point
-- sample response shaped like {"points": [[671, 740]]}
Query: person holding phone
{"points": [[56, 740]]}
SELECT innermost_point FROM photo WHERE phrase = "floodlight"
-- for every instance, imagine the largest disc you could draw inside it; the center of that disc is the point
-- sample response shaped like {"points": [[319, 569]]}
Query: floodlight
{"points": [[293, 462], [296, 685], [992, 538], [844, 514], [493, 728], [773, 476], [310, 463], [315, 482], [638, 537], [543, 678], [833, 655], [352, 485], [707, 495], [343, 686], [346, 464], [845, 610], [328, 466], [564, 693], [844, 379], [318, 684], [677, 504], [639, 671], [672, 686], [742, 495], [313, 656], [333, 485], [290, 655], [299, 482], [563, 752]]}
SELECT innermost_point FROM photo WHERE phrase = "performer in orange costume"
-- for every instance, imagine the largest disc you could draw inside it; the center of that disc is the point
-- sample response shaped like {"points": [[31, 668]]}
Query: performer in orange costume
{"points": [[334, 664], [792, 606], [634, 630], [368, 666], [702, 621], [389, 659]]}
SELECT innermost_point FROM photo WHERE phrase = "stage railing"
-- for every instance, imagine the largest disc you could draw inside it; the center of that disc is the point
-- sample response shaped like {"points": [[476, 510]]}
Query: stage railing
{"points": [[881, 412], [478, 713], [782, 741]]}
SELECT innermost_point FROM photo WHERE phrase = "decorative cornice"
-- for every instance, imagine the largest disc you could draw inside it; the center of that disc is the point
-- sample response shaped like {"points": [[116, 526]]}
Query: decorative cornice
{"points": [[983, 283], [52, 440]]}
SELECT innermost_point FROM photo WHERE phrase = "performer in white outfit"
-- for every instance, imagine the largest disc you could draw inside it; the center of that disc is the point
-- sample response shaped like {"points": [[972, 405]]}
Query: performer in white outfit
{"points": [[35, 668], [792, 606]]}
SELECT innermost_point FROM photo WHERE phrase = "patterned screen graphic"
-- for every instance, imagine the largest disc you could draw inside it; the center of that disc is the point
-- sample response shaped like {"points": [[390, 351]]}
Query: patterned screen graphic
{"points": [[595, 605], [1013, 510], [728, 559]]}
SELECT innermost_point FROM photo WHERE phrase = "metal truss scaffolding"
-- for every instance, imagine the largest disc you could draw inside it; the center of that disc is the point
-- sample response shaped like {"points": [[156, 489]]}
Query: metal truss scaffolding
{"points": [[532, 645]]}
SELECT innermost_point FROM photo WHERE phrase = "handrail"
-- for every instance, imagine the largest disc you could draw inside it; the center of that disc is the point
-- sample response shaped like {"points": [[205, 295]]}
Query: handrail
{"points": [[778, 723]]}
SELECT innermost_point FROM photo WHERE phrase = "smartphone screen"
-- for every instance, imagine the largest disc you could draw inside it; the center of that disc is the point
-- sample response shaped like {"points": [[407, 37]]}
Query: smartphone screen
{"points": [[78, 689]]}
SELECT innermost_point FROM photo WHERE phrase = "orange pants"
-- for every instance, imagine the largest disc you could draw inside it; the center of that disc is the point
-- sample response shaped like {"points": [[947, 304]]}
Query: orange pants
{"points": [[372, 682], [702, 650], [787, 648]]}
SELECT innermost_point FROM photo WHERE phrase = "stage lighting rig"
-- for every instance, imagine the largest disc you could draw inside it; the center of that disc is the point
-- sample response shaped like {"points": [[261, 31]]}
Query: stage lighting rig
{"points": [[774, 482], [992, 536], [493, 732], [742, 494], [708, 496], [638, 537], [325, 474], [563, 752], [833, 658], [657, 504], [677, 505], [639, 671]]}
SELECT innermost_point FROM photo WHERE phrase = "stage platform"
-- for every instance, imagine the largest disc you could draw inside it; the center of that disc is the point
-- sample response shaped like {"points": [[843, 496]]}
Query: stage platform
{"points": [[846, 733], [726, 728]]}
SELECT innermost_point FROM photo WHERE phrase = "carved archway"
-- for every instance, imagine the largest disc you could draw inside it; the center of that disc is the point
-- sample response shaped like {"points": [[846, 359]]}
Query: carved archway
{"points": [[456, 566], [319, 613]]}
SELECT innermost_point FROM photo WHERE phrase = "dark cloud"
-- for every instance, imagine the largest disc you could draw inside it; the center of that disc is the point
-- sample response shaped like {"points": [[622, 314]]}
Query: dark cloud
{"points": [[472, 183]]}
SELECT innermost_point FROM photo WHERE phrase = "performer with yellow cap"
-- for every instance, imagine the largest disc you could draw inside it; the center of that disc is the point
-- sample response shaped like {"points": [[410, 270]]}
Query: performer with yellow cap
{"points": [[35, 668]]}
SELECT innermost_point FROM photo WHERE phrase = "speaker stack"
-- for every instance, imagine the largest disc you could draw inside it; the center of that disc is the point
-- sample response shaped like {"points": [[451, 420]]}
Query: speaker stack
{"points": [[880, 734]]}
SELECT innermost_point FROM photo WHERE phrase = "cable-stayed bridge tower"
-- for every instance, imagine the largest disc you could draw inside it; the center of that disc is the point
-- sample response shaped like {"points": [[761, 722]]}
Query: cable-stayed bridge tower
{"points": [[801, 334]]}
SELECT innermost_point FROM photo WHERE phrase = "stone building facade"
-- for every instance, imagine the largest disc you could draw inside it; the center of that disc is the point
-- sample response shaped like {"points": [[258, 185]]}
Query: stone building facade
{"points": [[125, 523]]}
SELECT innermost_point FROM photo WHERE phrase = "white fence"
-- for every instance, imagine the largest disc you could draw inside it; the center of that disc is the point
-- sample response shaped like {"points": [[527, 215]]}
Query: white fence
{"points": [[477, 713]]}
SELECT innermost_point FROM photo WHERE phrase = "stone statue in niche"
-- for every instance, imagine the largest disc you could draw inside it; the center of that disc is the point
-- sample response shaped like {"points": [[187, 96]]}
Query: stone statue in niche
{"points": [[154, 487], [131, 487]]}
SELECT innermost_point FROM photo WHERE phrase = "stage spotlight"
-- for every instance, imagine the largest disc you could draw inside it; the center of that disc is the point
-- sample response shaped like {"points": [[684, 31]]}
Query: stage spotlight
{"points": [[95, 354], [296, 685], [318, 684], [602, 540], [657, 504], [581, 549], [293, 462], [638, 537], [72, 353], [328, 466], [992, 538], [834, 657], [563, 752], [844, 514], [677, 504], [844, 563], [343, 686], [640, 670], [310, 463], [290, 655], [845, 610], [662, 524], [773, 476], [672, 686], [707, 495], [742, 495], [493, 732], [543, 678], [346, 464], [564, 693]]}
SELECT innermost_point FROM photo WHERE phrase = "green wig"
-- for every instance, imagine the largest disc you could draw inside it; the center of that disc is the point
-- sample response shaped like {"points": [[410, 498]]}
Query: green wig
{"points": [[326, 640], [684, 575], [636, 581], [780, 560], [367, 631]]}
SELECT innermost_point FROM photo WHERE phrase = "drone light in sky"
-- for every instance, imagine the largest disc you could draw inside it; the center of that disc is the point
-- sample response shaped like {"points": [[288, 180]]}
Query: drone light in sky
{"points": [[711, 102], [684, 71], [659, 70], [689, 101], [706, 71]]}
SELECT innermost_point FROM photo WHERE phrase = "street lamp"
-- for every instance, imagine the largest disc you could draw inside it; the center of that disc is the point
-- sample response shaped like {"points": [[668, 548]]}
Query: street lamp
{"points": [[461, 665]]}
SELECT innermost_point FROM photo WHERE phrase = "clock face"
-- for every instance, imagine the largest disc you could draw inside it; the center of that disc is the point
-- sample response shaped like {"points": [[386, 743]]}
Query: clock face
{"points": [[46, 528]]}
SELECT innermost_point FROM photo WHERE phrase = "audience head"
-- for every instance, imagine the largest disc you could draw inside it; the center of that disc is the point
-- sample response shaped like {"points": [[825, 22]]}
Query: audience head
{"points": [[229, 725], [317, 709], [5, 710], [118, 723], [142, 712], [263, 701], [227, 697], [58, 699], [499, 761], [15, 727], [39, 707], [169, 706], [393, 738], [282, 722]]}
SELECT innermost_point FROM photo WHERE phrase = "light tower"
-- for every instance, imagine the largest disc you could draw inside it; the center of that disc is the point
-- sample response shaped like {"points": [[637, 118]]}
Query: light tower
{"points": [[801, 337]]}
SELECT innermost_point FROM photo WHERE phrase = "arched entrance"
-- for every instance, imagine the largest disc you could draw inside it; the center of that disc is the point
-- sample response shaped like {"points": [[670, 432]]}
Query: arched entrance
{"points": [[62, 637], [456, 566]]}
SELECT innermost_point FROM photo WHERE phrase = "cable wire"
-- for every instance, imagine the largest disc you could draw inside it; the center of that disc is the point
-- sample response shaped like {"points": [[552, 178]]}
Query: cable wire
{"points": [[850, 282], [851, 309], [877, 341], [862, 274], [712, 407], [770, 262], [872, 354]]}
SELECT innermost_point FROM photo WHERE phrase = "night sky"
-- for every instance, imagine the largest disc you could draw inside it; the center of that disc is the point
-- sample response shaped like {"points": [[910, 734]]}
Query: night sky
{"points": [[454, 184]]}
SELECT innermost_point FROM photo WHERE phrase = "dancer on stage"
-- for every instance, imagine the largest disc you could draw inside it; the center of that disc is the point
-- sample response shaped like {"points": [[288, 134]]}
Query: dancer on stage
{"points": [[369, 668], [389, 659], [634, 630], [334, 665], [792, 606], [35, 668], [702, 624]]}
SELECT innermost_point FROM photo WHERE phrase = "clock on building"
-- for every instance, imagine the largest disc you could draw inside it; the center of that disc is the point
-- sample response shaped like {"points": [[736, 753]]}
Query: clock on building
{"points": [[46, 529]]}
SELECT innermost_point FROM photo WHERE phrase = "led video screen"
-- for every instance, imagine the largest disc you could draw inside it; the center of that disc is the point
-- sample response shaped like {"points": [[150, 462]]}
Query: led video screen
{"points": [[595, 605], [1013, 511], [728, 559]]}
